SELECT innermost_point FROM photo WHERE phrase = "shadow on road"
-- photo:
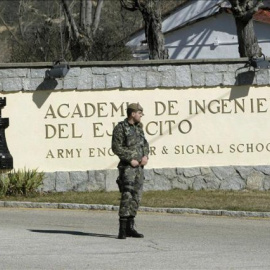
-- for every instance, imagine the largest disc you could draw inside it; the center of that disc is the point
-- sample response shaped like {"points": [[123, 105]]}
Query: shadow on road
{"points": [[74, 233]]}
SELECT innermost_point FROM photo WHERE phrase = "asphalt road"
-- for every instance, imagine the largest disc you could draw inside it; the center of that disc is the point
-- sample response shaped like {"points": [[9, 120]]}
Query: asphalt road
{"points": [[80, 239]]}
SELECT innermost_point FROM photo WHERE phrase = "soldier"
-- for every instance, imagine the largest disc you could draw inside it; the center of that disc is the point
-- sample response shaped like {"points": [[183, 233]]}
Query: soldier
{"points": [[130, 145]]}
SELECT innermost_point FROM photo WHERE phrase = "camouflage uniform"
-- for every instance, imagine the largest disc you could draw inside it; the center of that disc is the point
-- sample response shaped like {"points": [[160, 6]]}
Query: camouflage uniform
{"points": [[128, 143]]}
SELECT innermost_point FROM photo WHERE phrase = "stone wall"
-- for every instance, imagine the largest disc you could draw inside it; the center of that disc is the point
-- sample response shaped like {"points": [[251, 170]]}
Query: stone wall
{"points": [[210, 178], [145, 75], [133, 75]]}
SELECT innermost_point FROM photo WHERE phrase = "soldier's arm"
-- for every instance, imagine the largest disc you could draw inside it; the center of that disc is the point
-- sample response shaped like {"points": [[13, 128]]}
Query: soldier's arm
{"points": [[144, 160], [145, 146], [118, 145]]}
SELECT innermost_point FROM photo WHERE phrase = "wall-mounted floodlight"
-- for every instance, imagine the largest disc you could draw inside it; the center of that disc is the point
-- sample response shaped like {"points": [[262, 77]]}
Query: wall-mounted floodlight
{"points": [[259, 63], [58, 70]]}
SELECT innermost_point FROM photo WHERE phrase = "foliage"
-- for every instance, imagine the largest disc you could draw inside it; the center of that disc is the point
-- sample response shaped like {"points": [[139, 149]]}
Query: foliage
{"points": [[44, 44], [37, 25], [108, 46], [4, 184], [20, 182], [38, 31], [47, 31]]}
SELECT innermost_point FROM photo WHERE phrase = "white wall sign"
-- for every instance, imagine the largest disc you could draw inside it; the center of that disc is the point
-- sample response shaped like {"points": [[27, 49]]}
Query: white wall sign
{"points": [[71, 130]]}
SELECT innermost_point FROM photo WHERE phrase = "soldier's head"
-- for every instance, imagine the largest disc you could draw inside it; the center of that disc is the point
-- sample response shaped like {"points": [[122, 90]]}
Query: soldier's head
{"points": [[134, 112]]}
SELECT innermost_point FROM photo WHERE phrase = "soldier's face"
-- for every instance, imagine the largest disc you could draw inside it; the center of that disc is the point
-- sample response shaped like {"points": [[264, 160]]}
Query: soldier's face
{"points": [[137, 116]]}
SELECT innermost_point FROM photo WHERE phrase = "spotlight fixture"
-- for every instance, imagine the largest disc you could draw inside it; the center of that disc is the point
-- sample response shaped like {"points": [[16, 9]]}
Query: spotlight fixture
{"points": [[259, 63], [58, 70]]}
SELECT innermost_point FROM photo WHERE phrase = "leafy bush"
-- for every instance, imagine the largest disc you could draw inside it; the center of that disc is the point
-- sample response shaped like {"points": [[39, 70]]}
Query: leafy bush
{"points": [[4, 184], [20, 182]]}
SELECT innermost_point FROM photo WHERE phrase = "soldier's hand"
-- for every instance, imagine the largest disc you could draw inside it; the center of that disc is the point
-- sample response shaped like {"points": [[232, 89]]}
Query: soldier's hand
{"points": [[134, 163], [144, 161]]}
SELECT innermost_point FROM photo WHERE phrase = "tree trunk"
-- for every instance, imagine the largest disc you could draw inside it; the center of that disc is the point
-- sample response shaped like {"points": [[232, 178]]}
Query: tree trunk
{"points": [[151, 12], [243, 12], [248, 43], [97, 16], [153, 25], [20, 18], [82, 14], [88, 15]]}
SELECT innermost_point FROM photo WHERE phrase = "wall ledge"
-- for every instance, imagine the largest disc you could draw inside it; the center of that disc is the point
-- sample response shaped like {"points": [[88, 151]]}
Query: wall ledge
{"points": [[128, 63]]}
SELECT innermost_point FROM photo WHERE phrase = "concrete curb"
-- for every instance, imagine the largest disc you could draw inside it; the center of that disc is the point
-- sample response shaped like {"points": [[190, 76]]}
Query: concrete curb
{"points": [[15, 204]]}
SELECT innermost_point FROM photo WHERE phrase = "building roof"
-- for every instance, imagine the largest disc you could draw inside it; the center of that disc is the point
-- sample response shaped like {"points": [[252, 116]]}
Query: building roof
{"points": [[262, 15], [190, 12], [186, 12]]}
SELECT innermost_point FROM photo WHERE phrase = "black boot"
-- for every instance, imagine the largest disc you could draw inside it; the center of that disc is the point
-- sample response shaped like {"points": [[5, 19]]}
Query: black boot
{"points": [[131, 232], [122, 228]]}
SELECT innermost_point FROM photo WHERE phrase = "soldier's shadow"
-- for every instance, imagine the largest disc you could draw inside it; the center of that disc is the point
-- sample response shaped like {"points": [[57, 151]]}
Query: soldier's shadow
{"points": [[77, 233]]}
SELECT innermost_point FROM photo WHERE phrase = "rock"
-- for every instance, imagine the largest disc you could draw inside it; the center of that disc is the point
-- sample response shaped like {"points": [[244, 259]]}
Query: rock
{"points": [[199, 183], [263, 169], [79, 180], [212, 182], [233, 183], [63, 183], [181, 183], [244, 171], [161, 182], [255, 180], [191, 172], [49, 182], [205, 170], [266, 183], [149, 181], [110, 183], [179, 171], [223, 172]]}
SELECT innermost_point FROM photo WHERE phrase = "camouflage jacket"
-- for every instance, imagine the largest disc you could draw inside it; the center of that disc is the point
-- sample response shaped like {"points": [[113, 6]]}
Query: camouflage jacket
{"points": [[128, 142]]}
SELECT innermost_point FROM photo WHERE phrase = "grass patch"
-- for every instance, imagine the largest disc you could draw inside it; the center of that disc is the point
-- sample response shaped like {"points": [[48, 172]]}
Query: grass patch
{"points": [[214, 200], [95, 197], [226, 200]]}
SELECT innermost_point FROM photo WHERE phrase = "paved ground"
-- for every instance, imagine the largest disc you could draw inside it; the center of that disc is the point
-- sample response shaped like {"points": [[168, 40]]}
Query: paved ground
{"points": [[80, 239]]}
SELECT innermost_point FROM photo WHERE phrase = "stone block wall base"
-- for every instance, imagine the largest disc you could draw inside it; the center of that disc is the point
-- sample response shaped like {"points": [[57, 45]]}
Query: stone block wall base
{"points": [[195, 178]]}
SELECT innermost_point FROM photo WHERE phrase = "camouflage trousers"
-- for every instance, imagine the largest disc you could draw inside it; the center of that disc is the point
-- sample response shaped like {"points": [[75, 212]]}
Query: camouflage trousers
{"points": [[131, 182]]}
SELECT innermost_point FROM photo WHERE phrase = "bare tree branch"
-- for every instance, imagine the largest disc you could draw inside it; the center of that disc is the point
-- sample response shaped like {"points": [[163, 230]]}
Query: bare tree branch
{"points": [[70, 19], [130, 5], [20, 17], [82, 14], [9, 30], [97, 16], [89, 17]]}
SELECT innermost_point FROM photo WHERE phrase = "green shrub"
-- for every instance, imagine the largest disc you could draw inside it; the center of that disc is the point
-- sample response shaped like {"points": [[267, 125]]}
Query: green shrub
{"points": [[23, 182], [4, 184]]}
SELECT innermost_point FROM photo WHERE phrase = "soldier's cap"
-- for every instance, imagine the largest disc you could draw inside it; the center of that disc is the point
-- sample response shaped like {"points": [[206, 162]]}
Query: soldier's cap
{"points": [[135, 107]]}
